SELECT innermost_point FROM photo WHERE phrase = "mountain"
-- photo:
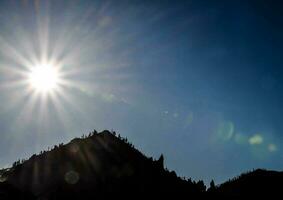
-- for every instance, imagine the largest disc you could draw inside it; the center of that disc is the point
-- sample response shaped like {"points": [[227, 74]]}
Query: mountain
{"points": [[257, 183], [103, 165], [96, 166]]}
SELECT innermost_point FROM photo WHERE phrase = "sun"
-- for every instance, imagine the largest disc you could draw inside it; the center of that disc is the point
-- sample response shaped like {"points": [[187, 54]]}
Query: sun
{"points": [[44, 78]]}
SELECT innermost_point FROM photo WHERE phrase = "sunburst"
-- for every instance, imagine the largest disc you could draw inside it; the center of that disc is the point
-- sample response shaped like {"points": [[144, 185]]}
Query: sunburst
{"points": [[44, 77]]}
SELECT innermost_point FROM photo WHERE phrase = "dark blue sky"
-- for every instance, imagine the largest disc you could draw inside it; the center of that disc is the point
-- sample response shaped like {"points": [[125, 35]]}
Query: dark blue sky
{"points": [[199, 81]]}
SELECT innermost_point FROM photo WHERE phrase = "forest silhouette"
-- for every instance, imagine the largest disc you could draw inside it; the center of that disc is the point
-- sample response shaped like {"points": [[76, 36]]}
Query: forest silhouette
{"points": [[102, 165]]}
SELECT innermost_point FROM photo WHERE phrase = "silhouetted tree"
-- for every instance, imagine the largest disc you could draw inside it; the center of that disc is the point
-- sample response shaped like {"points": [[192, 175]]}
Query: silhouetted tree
{"points": [[14, 164], [160, 161], [201, 186], [212, 185], [173, 174]]}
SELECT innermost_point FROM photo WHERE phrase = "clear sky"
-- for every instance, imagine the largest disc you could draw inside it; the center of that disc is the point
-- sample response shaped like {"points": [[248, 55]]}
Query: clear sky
{"points": [[199, 81]]}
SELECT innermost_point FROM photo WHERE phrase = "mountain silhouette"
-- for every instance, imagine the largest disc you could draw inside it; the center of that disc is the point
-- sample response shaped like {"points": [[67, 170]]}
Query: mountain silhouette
{"points": [[103, 165], [96, 166], [256, 183]]}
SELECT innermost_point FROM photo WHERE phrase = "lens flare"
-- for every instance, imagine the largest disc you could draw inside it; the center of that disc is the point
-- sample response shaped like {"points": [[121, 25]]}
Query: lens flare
{"points": [[256, 139]]}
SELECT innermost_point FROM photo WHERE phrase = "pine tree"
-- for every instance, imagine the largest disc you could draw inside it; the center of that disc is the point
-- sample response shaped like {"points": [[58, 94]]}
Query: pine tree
{"points": [[212, 185]]}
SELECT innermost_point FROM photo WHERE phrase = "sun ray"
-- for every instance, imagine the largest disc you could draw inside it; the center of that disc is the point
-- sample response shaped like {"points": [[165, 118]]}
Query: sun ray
{"points": [[9, 51], [61, 112], [69, 100], [25, 115]]}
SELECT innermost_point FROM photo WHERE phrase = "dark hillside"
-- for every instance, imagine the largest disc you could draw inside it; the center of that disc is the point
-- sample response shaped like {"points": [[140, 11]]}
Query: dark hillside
{"points": [[95, 166]]}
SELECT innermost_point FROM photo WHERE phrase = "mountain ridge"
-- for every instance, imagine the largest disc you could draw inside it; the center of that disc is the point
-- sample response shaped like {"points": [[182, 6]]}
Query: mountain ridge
{"points": [[104, 164], [101, 162]]}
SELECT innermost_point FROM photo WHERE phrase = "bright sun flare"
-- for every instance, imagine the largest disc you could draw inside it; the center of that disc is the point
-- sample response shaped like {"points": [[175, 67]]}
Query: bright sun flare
{"points": [[44, 78]]}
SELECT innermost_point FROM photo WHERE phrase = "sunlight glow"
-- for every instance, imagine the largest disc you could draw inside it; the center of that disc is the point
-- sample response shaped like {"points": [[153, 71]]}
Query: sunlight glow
{"points": [[44, 78]]}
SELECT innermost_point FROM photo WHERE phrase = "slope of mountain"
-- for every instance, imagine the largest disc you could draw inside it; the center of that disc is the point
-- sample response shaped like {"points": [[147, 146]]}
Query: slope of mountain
{"points": [[8, 191], [257, 183], [96, 166]]}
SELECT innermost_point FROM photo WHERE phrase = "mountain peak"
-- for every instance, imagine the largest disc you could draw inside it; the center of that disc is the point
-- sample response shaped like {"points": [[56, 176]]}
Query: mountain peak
{"points": [[101, 162]]}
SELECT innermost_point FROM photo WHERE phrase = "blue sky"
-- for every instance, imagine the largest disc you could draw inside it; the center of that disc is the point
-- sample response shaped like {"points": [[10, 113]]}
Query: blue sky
{"points": [[198, 81]]}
